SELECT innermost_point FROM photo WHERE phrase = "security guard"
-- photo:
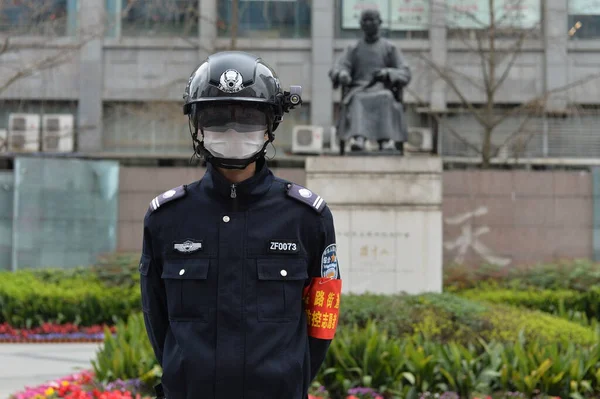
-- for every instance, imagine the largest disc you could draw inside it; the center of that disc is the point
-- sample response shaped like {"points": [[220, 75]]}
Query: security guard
{"points": [[239, 275]]}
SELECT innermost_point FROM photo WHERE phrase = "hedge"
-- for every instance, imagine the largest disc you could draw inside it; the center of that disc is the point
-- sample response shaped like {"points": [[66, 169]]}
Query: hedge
{"points": [[404, 367], [27, 301], [579, 275], [448, 317]]}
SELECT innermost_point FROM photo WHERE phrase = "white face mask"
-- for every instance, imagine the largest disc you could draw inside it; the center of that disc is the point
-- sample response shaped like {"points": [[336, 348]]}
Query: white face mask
{"points": [[233, 145]]}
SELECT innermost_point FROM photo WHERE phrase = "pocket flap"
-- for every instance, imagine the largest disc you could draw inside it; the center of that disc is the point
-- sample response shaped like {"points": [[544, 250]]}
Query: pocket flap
{"points": [[186, 269], [281, 269]]}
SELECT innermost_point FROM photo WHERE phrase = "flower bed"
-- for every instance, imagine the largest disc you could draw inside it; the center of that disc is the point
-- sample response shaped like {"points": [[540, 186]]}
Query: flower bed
{"points": [[53, 333], [82, 386]]}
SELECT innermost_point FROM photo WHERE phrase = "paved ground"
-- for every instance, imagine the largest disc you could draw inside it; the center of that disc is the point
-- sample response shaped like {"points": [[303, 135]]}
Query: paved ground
{"points": [[33, 364]]}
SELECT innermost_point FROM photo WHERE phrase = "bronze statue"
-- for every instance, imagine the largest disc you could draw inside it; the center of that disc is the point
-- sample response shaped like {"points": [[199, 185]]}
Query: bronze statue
{"points": [[372, 74]]}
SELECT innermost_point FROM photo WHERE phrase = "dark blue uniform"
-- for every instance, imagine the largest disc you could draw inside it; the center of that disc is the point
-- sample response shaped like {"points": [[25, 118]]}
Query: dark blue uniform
{"points": [[224, 273]]}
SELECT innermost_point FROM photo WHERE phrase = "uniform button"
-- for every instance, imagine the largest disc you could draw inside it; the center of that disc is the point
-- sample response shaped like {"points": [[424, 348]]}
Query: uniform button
{"points": [[181, 272], [283, 273], [226, 219]]}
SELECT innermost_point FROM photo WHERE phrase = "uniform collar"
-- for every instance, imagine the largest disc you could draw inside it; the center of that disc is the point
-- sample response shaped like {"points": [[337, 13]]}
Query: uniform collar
{"points": [[246, 191]]}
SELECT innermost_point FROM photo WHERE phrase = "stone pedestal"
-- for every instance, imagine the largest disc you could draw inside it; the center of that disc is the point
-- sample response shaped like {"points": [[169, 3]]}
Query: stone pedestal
{"points": [[388, 217]]}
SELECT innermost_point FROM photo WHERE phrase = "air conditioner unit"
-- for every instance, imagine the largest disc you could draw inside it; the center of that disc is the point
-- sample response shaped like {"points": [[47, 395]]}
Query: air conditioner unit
{"points": [[58, 133], [419, 140], [23, 132], [307, 139], [3, 140]]}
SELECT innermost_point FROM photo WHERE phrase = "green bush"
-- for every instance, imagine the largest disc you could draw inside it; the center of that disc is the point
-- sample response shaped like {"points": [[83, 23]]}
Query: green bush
{"points": [[127, 355], [405, 367], [118, 269], [27, 301], [450, 318], [578, 275], [402, 367], [569, 304]]}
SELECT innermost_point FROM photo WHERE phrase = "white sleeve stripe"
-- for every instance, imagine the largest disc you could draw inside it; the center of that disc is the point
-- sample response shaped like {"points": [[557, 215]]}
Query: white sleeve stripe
{"points": [[155, 203], [319, 203], [316, 200]]}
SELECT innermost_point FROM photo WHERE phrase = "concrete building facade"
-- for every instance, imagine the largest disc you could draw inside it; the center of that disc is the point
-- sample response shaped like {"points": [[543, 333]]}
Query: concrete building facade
{"points": [[113, 82]]}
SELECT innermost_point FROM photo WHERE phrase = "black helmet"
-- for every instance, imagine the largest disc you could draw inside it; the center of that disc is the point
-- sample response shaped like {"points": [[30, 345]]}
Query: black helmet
{"points": [[234, 77]]}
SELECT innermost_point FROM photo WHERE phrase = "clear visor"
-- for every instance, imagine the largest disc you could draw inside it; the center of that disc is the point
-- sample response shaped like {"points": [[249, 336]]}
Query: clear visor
{"points": [[241, 118]]}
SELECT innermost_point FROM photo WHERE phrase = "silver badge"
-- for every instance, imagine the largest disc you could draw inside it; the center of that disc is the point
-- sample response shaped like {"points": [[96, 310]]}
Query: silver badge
{"points": [[188, 246], [231, 81], [169, 194], [305, 193]]}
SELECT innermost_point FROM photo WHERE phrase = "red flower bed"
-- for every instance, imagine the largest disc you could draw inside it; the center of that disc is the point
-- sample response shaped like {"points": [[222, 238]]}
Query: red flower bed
{"points": [[76, 386], [53, 333]]}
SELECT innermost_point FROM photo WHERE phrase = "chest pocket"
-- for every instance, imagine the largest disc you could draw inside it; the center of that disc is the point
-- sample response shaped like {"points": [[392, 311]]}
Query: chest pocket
{"points": [[187, 287], [279, 290]]}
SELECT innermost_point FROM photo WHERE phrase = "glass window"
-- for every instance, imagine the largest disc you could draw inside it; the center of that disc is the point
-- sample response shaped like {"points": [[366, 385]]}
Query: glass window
{"points": [[265, 18], [39, 18], [146, 128], [583, 19], [156, 18], [401, 19], [511, 18]]}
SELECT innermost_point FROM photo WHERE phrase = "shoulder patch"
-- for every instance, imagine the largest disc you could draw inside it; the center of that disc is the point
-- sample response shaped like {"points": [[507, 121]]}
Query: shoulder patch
{"points": [[167, 196], [306, 196]]}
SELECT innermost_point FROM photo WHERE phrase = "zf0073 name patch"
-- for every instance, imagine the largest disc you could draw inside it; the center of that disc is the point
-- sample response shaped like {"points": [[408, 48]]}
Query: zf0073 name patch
{"points": [[322, 306], [283, 246]]}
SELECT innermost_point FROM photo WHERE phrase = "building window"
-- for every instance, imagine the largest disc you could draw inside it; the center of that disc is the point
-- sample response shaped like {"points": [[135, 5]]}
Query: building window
{"points": [[583, 19], [38, 18], [155, 18], [264, 18], [512, 18], [401, 19], [146, 128]]}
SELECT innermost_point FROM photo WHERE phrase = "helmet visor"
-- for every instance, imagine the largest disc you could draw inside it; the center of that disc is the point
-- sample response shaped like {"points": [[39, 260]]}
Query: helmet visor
{"points": [[241, 118]]}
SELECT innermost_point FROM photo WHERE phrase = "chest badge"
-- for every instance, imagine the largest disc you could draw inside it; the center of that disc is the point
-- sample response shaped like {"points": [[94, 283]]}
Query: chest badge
{"points": [[188, 246], [283, 247]]}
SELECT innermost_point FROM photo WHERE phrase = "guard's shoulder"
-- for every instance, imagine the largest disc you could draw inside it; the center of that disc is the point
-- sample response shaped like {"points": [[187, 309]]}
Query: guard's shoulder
{"points": [[304, 195], [168, 196]]}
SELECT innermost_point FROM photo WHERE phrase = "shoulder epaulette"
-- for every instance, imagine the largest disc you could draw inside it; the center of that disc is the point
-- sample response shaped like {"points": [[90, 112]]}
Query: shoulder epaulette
{"points": [[306, 196], [167, 196]]}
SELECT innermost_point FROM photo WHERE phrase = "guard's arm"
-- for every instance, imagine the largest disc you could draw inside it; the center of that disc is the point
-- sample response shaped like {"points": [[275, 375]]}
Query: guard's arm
{"points": [[322, 295], [154, 302]]}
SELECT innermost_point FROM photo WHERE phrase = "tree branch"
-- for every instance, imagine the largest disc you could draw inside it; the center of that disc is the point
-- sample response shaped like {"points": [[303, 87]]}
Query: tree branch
{"points": [[5, 46], [517, 51], [455, 88], [544, 97], [441, 121], [513, 134]]}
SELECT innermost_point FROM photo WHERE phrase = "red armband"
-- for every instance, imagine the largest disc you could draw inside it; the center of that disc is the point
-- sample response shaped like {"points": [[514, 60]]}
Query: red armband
{"points": [[322, 306]]}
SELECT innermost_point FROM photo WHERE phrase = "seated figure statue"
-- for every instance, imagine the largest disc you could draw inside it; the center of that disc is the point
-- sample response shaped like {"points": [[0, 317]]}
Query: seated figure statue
{"points": [[372, 73]]}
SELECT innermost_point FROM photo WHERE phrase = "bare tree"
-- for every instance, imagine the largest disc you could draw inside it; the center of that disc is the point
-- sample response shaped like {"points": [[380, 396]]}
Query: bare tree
{"points": [[497, 39], [32, 38]]}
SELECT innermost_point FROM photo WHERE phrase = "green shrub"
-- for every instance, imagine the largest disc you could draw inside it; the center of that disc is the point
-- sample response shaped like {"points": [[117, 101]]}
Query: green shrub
{"points": [[127, 355], [118, 269], [578, 275], [569, 304], [401, 367], [26, 301], [405, 367], [450, 318]]}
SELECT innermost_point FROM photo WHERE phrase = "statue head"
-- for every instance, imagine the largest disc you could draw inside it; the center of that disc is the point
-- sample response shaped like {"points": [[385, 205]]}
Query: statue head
{"points": [[370, 21]]}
